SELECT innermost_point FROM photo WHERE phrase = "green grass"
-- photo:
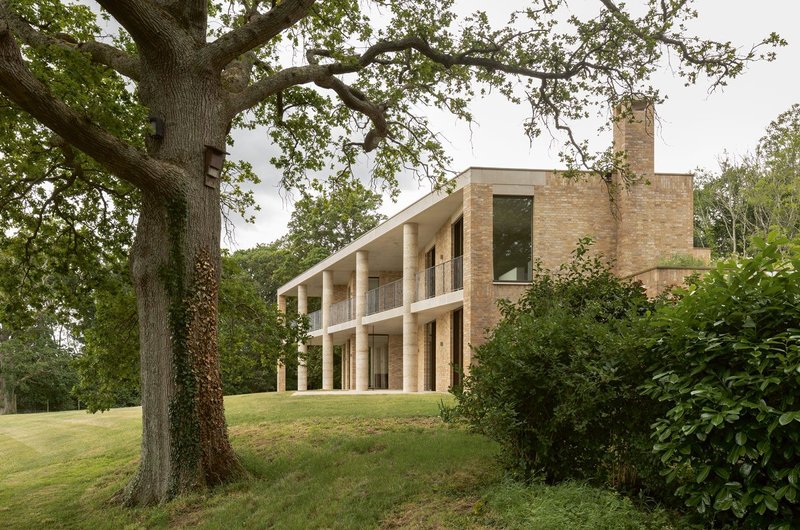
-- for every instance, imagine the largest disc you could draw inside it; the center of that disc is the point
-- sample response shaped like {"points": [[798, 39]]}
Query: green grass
{"points": [[382, 461]]}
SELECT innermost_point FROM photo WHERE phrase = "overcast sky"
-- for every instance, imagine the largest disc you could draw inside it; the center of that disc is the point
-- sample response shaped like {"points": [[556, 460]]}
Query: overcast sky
{"points": [[696, 127]]}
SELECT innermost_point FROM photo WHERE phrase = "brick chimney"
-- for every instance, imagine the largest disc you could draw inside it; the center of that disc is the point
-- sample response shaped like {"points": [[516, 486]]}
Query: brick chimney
{"points": [[634, 134], [654, 216]]}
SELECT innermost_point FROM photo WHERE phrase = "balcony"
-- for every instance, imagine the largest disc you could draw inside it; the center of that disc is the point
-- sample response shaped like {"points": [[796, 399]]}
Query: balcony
{"points": [[441, 279], [385, 297], [315, 320], [343, 311]]}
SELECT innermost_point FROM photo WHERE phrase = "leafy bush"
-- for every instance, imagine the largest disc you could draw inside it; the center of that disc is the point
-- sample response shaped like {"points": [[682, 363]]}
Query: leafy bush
{"points": [[729, 369], [557, 381], [682, 260]]}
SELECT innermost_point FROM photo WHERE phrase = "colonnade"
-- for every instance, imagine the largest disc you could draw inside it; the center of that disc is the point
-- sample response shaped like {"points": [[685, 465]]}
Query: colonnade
{"points": [[355, 352]]}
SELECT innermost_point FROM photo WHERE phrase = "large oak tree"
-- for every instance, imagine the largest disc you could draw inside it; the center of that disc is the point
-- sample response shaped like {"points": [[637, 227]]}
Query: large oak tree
{"points": [[331, 79]]}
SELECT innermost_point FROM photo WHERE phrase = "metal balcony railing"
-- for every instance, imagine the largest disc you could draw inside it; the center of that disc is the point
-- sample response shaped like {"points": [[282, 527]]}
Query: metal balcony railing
{"points": [[343, 311], [385, 297], [441, 279], [315, 320]]}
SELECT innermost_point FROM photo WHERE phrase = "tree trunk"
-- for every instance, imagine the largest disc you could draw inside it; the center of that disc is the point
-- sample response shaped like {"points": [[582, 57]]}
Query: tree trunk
{"points": [[176, 266], [9, 403], [9, 398]]}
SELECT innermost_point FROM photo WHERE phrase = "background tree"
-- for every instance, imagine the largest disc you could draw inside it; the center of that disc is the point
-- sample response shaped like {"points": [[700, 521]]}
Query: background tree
{"points": [[35, 368], [723, 216], [108, 364], [200, 80], [329, 216], [775, 196], [754, 194]]}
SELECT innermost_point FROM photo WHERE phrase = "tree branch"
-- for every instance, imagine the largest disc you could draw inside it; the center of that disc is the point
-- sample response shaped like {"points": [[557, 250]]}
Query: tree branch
{"points": [[465, 58], [259, 30], [286, 78], [152, 27], [192, 13], [121, 159], [357, 101], [316, 72], [99, 52], [719, 60]]}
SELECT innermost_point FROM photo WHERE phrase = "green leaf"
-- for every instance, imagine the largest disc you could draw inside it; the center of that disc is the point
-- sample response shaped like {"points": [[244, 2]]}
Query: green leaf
{"points": [[703, 473], [771, 503]]}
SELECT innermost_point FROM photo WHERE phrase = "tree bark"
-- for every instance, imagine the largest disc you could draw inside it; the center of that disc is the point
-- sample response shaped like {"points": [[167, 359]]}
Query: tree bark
{"points": [[9, 398], [176, 267], [9, 404]]}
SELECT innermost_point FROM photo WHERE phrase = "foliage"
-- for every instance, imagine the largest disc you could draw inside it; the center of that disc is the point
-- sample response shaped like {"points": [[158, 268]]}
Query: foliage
{"points": [[108, 366], [556, 383], [752, 195], [681, 260], [253, 333], [330, 216], [727, 359], [35, 367]]}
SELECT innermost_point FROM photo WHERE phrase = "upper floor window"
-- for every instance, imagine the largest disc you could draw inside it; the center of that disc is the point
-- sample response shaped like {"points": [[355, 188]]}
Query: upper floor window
{"points": [[513, 238]]}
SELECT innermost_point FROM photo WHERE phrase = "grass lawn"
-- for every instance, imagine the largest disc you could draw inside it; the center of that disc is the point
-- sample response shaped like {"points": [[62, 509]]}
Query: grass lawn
{"points": [[382, 461]]}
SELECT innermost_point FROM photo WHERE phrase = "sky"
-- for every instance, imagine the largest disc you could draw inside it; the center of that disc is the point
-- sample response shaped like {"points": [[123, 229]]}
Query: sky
{"points": [[696, 126]]}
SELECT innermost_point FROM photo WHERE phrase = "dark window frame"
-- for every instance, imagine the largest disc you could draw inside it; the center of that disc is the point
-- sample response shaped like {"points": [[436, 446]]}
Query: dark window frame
{"points": [[495, 277]]}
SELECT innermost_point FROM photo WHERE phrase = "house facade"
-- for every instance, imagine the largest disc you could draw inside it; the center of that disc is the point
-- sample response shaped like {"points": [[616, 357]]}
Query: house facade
{"points": [[408, 300]]}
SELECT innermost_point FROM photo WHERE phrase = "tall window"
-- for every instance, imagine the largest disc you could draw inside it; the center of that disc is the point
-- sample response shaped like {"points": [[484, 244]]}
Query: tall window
{"points": [[457, 263], [513, 238], [378, 361]]}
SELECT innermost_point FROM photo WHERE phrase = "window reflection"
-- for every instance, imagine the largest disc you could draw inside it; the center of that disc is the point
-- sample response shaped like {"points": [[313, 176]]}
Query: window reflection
{"points": [[513, 238]]}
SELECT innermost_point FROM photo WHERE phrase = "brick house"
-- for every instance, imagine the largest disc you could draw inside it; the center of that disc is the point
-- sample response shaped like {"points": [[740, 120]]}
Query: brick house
{"points": [[407, 300]]}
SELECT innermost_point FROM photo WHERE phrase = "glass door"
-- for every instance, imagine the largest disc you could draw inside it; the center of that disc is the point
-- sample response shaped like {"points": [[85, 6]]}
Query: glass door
{"points": [[430, 356], [379, 362], [457, 345], [457, 272], [430, 273]]}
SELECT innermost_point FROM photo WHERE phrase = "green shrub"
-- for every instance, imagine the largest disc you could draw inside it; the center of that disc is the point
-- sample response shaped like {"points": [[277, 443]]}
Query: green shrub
{"points": [[729, 371], [682, 260], [557, 381]]}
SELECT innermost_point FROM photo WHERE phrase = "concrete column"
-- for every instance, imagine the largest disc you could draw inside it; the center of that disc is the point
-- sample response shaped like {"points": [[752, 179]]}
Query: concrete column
{"points": [[327, 339], [410, 354], [362, 346], [281, 366], [302, 349]]}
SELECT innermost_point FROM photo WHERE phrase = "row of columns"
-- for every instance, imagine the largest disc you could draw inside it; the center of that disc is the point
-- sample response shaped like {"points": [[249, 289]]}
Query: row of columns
{"points": [[355, 354]]}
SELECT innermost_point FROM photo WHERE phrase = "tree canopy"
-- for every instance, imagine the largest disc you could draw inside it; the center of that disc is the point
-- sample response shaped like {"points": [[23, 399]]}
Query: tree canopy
{"points": [[753, 194]]}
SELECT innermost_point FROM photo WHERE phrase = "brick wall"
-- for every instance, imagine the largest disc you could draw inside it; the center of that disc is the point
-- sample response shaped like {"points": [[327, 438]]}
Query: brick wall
{"points": [[565, 210], [659, 279], [478, 279]]}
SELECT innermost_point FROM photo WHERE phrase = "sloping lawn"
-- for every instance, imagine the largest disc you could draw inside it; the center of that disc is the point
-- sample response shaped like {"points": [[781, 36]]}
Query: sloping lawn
{"points": [[382, 461]]}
